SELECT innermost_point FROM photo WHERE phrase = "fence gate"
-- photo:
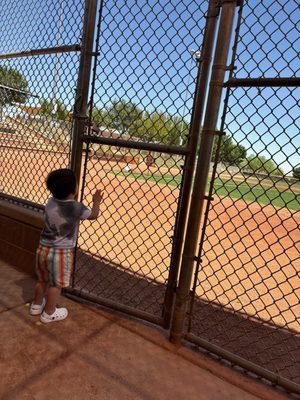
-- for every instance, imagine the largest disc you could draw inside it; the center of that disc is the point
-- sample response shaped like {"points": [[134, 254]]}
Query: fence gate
{"points": [[140, 145], [245, 294]]}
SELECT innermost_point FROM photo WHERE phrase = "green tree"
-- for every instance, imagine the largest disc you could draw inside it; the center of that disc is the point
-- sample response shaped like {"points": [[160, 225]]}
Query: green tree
{"points": [[13, 87], [57, 110], [230, 153], [124, 116], [262, 165], [46, 108], [296, 172], [127, 117], [61, 112], [163, 128], [99, 117]]}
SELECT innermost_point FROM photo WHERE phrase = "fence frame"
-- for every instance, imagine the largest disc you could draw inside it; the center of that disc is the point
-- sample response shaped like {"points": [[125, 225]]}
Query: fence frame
{"points": [[189, 151], [192, 200], [198, 196], [83, 84], [197, 226], [186, 186]]}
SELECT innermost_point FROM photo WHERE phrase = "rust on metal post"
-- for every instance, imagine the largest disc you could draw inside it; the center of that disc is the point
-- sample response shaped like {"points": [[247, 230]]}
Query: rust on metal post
{"points": [[131, 144], [263, 82], [209, 197], [83, 82], [197, 114], [202, 170], [40, 52], [12, 89]]}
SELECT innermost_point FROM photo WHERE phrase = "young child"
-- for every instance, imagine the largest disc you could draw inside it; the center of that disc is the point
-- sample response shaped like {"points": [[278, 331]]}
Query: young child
{"points": [[55, 254]]}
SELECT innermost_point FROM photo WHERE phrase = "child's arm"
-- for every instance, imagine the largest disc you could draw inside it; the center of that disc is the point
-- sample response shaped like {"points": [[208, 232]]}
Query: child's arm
{"points": [[97, 200]]}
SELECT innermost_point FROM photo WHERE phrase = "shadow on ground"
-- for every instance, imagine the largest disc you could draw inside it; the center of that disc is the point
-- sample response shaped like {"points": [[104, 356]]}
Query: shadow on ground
{"points": [[94, 354], [267, 345]]}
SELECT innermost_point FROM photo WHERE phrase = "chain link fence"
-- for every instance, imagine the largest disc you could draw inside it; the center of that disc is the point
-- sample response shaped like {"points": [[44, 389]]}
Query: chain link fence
{"points": [[126, 117], [136, 149], [124, 256], [39, 62], [245, 296]]}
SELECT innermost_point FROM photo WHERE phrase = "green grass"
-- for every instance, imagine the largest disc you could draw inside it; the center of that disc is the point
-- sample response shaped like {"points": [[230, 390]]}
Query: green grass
{"points": [[254, 192], [258, 193], [167, 179]]}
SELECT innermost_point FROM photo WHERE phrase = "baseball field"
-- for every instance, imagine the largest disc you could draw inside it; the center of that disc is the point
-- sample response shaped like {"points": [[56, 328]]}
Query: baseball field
{"points": [[250, 261], [252, 245]]}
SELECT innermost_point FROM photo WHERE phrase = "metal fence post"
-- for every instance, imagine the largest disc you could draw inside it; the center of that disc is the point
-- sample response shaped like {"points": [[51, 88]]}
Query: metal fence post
{"points": [[198, 107], [83, 84], [202, 170]]}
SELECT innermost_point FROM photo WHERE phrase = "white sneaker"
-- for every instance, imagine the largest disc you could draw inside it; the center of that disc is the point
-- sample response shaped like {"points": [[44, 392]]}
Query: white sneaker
{"points": [[37, 309], [58, 315]]}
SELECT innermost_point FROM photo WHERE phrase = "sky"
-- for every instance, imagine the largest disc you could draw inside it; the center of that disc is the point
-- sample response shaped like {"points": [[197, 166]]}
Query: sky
{"points": [[145, 58], [268, 120]]}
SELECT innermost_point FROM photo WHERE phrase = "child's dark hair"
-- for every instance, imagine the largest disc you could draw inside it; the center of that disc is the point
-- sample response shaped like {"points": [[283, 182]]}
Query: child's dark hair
{"points": [[61, 183]]}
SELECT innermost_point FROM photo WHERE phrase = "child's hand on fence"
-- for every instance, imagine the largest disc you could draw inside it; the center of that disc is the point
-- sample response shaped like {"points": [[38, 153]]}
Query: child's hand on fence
{"points": [[98, 197]]}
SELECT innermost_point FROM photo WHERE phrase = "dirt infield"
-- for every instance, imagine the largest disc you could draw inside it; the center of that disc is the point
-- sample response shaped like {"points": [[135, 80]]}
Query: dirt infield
{"points": [[249, 258], [23, 172], [250, 265], [250, 262]]}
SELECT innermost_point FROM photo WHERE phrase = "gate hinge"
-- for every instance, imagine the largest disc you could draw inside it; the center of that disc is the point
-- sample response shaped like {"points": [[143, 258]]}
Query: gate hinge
{"points": [[231, 67], [214, 11], [215, 133], [80, 116], [208, 198], [93, 53], [199, 260], [237, 2]]}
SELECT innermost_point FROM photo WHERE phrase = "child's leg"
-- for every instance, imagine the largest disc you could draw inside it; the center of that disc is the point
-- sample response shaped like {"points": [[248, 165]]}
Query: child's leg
{"points": [[52, 299], [40, 291], [60, 269]]}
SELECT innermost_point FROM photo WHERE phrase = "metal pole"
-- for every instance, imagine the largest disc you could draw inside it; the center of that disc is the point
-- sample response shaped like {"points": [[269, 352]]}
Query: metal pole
{"points": [[185, 100], [198, 107], [214, 171], [42, 52], [83, 82], [56, 59], [202, 170], [131, 144]]}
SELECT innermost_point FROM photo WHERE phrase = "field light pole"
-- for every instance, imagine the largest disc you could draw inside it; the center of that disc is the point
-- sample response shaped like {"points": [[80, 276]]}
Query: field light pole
{"points": [[56, 60], [197, 55], [202, 169]]}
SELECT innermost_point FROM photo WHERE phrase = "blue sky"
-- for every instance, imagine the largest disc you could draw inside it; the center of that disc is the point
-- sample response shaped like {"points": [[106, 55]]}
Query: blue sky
{"points": [[145, 57], [32, 24], [268, 120]]}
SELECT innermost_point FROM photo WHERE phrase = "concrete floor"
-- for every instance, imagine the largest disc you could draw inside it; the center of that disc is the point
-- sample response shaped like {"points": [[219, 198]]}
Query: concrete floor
{"points": [[95, 354]]}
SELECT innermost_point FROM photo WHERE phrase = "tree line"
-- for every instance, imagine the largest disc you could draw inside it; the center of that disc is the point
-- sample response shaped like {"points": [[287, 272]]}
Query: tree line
{"points": [[127, 118]]}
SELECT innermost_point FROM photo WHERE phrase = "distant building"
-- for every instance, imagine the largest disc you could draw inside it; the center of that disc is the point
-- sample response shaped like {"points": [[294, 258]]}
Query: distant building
{"points": [[29, 110]]}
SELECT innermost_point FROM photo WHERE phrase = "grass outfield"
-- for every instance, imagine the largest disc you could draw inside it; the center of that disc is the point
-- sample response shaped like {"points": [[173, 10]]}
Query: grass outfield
{"points": [[250, 192]]}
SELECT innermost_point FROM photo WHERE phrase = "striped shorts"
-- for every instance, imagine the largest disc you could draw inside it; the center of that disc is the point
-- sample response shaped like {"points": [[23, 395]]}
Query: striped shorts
{"points": [[54, 266]]}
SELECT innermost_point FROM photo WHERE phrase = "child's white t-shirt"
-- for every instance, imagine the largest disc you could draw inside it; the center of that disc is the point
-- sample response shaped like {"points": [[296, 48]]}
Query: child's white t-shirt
{"points": [[62, 219]]}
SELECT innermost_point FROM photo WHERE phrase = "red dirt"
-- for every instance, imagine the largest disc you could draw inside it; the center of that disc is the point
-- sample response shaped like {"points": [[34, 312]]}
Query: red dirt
{"points": [[256, 275]]}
